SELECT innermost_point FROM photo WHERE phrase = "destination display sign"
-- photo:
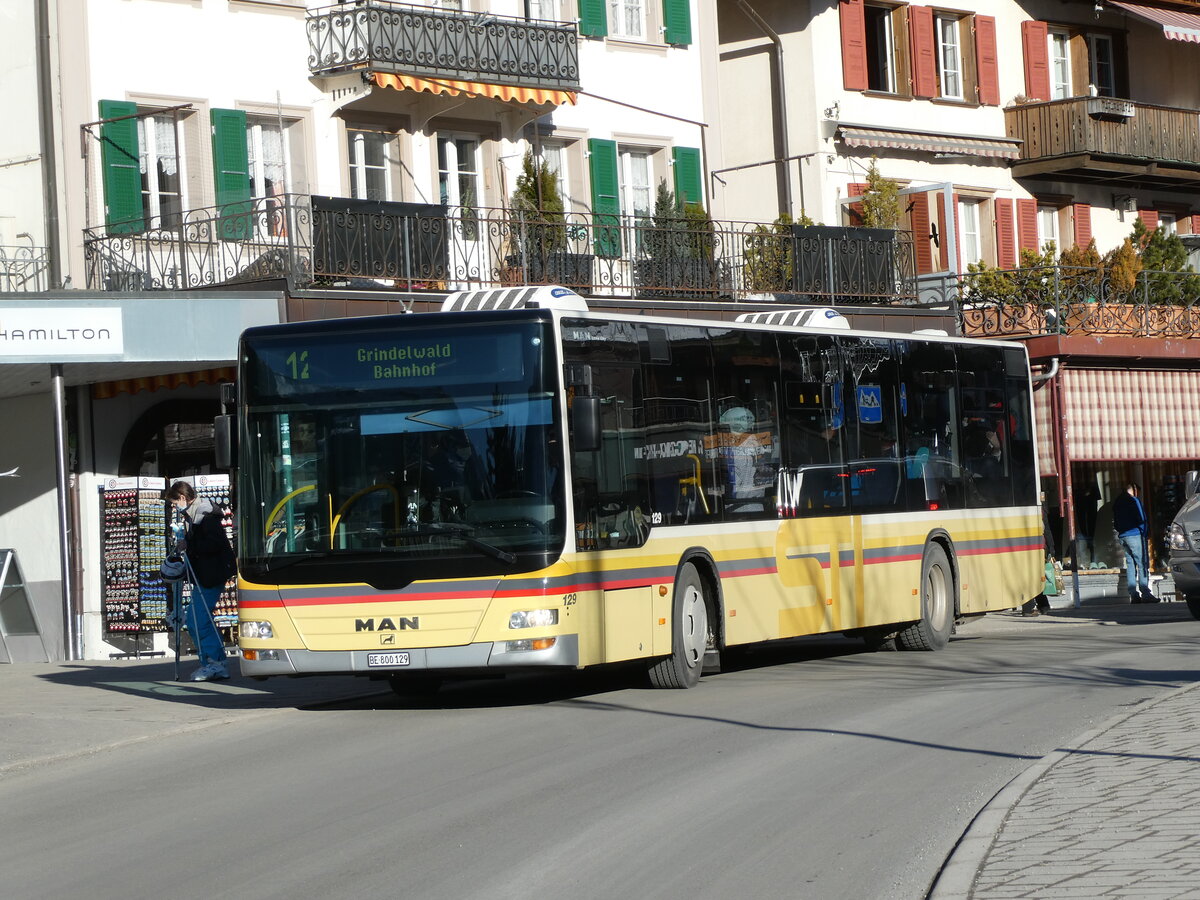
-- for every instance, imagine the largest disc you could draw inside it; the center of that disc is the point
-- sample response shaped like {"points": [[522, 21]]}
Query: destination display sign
{"points": [[413, 359]]}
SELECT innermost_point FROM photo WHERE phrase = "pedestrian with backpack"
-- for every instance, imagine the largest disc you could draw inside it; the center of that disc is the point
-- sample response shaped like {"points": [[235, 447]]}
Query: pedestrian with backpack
{"points": [[211, 563]]}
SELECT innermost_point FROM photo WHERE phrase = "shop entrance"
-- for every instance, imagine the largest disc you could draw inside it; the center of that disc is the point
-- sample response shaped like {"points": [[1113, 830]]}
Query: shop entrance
{"points": [[170, 440]]}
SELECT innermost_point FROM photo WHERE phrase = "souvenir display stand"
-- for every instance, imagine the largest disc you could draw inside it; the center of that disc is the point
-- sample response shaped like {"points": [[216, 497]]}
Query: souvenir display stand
{"points": [[135, 537]]}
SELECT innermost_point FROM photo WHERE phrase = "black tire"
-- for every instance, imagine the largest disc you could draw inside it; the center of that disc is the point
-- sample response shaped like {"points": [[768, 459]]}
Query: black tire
{"points": [[1193, 604], [878, 638], [415, 685], [689, 634], [937, 605]]}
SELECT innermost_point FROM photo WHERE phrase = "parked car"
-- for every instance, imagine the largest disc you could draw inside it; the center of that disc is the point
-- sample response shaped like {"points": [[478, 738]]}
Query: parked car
{"points": [[1183, 537]]}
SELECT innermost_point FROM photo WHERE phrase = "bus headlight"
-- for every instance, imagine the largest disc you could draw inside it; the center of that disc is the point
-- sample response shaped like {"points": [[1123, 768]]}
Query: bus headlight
{"points": [[533, 618], [256, 631], [1177, 538]]}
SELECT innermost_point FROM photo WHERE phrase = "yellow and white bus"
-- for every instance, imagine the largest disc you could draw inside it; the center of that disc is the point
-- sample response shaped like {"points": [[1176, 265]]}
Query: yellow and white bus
{"points": [[516, 482]]}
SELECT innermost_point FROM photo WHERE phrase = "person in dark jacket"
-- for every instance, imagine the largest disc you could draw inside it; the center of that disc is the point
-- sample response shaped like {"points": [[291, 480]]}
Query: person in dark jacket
{"points": [[1129, 521], [212, 563]]}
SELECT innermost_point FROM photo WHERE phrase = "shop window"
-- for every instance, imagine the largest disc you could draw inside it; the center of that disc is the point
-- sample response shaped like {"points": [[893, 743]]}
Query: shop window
{"points": [[170, 440]]}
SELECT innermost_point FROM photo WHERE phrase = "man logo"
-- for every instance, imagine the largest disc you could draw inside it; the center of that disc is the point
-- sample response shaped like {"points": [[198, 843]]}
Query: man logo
{"points": [[401, 623], [386, 639]]}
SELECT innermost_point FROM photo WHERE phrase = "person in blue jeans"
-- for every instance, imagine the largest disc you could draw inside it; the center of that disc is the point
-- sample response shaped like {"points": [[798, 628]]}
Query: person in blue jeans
{"points": [[1129, 521], [212, 563]]}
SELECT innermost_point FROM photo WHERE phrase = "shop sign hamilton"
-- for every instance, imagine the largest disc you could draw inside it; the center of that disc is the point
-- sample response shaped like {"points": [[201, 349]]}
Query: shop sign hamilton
{"points": [[64, 331]]}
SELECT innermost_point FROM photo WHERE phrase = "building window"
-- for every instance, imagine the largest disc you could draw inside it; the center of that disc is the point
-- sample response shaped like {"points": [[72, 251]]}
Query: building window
{"points": [[881, 49], [1102, 65], [163, 170], [458, 179], [634, 174], [627, 19], [1060, 65], [949, 57], [554, 157], [968, 222], [1167, 222], [370, 175], [546, 9], [268, 156], [1047, 219]]}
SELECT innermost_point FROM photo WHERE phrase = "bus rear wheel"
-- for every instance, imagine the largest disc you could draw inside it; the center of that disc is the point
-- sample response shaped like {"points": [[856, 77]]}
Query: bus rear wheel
{"points": [[932, 632], [689, 634]]}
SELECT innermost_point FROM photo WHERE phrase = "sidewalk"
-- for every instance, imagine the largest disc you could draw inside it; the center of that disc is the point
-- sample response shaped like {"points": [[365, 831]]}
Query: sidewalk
{"points": [[54, 711], [1115, 813]]}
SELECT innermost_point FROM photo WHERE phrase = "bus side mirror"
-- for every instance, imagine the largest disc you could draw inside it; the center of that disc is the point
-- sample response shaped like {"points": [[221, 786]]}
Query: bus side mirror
{"points": [[225, 441], [585, 423]]}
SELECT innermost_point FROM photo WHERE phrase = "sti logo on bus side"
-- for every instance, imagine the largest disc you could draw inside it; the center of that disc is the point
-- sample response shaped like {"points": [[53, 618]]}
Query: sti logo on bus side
{"points": [[406, 624]]}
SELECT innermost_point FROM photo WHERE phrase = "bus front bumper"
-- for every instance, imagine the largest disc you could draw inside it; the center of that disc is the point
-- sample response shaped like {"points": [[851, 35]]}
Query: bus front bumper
{"points": [[487, 655]]}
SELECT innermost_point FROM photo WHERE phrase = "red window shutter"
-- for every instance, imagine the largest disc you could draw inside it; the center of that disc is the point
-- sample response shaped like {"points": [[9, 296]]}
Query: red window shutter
{"points": [[1027, 235], [989, 66], [1037, 60], [1149, 218], [919, 222], [1006, 247], [924, 60], [854, 45], [855, 210], [1188, 225], [1082, 215]]}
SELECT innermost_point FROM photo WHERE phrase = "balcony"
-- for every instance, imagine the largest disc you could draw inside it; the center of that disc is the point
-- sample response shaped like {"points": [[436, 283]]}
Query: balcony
{"points": [[1107, 141], [23, 269], [338, 243], [447, 44], [1068, 300]]}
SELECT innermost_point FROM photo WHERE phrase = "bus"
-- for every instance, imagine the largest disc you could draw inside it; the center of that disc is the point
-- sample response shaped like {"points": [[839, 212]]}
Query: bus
{"points": [[516, 483]]}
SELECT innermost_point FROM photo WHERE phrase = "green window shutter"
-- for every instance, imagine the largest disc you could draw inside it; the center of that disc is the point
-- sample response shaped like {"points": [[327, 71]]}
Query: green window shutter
{"points": [[677, 17], [593, 18], [688, 186], [231, 173], [122, 175], [606, 200]]}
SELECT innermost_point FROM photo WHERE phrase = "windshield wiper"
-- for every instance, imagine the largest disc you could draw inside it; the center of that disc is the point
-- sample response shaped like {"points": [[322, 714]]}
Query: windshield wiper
{"points": [[464, 533]]}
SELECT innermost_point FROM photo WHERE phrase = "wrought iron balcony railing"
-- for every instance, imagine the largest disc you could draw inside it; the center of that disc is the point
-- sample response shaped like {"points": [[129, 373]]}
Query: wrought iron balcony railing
{"points": [[23, 269], [1068, 300], [441, 43], [331, 241]]}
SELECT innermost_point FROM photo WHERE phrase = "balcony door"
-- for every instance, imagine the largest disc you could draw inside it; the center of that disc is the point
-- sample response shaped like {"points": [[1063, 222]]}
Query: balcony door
{"points": [[461, 189]]}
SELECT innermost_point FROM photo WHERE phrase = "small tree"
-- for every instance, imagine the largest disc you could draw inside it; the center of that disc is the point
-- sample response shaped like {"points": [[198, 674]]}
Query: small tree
{"points": [[881, 201], [539, 226]]}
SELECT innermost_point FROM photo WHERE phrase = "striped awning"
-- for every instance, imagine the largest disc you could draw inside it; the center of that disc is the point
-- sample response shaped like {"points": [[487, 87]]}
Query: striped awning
{"points": [[1043, 423], [930, 142], [1176, 26], [473, 89], [1114, 415]]}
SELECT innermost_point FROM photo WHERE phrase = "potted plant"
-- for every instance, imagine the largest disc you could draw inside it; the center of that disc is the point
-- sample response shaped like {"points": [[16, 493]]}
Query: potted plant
{"points": [[676, 248], [540, 239]]}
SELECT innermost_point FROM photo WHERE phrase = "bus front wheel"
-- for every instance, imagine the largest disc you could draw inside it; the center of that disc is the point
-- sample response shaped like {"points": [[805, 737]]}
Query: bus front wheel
{"points": [[932, 632], [689, 634]]}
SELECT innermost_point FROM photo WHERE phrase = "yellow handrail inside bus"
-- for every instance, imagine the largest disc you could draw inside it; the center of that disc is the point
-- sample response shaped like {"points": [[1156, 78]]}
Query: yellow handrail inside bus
{"points": [[280, 504], [695, 480], [381, 486]]}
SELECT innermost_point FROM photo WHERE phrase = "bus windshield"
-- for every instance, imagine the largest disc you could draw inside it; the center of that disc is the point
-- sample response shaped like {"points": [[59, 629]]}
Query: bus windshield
{"points": [[425, 450]]}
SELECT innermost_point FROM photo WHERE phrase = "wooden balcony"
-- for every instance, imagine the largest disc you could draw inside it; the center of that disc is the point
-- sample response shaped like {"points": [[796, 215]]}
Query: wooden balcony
{"points": [[427, 42], [1107, 141]]}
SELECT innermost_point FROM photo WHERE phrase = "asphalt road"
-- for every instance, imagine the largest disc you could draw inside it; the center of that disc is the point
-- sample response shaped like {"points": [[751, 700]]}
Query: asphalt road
{"points": [[808, 770]]}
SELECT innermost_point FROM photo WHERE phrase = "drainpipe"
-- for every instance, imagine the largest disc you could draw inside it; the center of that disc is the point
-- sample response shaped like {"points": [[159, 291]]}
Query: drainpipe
{"points": [[45, 93], [1048, 374], [781, 93]]}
